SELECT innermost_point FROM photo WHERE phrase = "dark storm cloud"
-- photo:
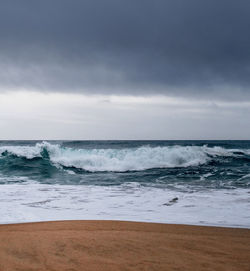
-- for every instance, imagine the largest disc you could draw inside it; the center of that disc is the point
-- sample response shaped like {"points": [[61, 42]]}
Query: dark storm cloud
{"points": [[176, 47]]}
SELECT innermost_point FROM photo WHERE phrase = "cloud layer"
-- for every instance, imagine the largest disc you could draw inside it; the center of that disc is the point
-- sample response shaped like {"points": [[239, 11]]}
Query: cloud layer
{"points": [[34, 115], [194, 48]]}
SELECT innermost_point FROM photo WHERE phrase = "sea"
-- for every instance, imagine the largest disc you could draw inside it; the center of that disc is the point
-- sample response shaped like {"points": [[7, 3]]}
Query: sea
{"points": [[180, 182]]}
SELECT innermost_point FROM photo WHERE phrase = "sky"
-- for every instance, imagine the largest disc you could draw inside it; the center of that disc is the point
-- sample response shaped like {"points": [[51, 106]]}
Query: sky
{"points": [[115, 69]]}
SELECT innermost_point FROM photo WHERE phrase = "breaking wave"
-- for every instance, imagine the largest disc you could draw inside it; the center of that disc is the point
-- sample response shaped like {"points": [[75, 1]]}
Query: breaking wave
{"points": [[121, 160]]}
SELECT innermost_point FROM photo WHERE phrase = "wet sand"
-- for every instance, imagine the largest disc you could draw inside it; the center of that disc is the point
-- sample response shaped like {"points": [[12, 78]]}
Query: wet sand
{"points": [[114, 245]]}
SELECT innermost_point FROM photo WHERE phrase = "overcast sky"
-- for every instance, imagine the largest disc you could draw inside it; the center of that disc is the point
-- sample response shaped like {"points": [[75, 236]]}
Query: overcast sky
{"points": [[116, 69]]}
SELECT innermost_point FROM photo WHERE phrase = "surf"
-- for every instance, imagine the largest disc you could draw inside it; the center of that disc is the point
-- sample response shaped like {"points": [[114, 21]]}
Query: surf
{"points": [[121, 160]]}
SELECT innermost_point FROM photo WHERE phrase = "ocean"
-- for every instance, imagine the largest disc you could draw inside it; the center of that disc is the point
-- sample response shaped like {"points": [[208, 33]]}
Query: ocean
{"points": [[187, 182]]}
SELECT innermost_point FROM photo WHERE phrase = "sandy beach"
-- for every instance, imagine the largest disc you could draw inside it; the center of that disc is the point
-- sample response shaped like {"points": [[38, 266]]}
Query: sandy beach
{"points": [[114, 245]]}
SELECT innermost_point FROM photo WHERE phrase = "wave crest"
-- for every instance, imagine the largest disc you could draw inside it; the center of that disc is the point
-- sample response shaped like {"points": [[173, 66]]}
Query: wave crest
{"points": [[121, 160]]}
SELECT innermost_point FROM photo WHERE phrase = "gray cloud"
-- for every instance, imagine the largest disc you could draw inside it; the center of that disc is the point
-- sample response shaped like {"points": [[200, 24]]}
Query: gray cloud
{"points": [[177, 47]]}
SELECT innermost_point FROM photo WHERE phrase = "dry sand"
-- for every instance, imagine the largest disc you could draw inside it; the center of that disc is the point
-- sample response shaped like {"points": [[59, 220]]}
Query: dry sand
{"points": [[110, 245]]}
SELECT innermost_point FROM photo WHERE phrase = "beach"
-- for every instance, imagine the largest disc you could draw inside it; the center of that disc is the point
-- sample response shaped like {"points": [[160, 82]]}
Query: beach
{"points": [[115, 245], [124, 135], [82, 192]]}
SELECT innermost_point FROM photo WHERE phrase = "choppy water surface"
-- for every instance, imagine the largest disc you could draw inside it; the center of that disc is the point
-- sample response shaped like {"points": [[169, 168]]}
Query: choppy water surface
{"points": [[193, 182]]}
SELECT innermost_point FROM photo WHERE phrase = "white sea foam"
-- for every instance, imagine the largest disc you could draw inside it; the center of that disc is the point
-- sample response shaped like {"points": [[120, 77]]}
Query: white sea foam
{"points": [[121, 160], [22, 151], [43, 202]]}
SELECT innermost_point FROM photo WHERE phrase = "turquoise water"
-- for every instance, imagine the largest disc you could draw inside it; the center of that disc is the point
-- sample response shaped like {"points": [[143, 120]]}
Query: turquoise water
{"points": [[200, 164]]}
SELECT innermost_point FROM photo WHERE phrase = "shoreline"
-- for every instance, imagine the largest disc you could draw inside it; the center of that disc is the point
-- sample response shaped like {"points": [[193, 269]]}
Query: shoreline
{"points": [[122, 245], [132, 221]]}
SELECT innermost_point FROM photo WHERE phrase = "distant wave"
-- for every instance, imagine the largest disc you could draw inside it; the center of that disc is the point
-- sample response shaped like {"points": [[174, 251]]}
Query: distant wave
{"points": [[122, 160]]}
